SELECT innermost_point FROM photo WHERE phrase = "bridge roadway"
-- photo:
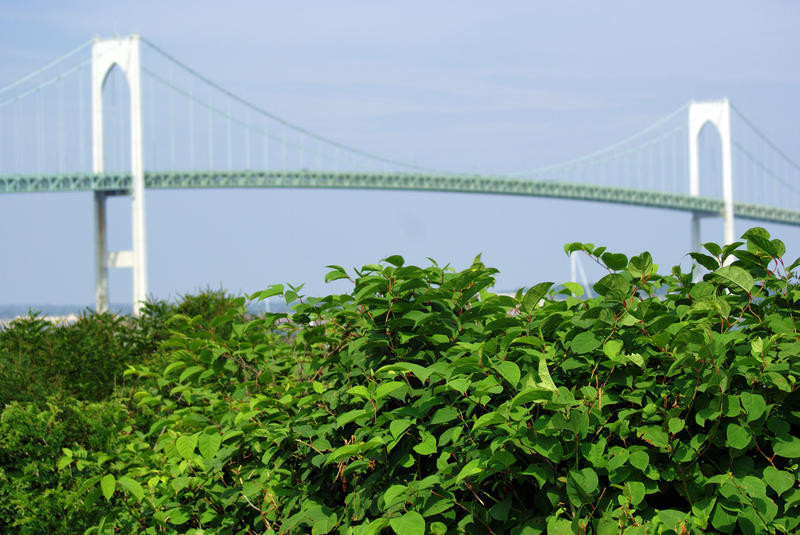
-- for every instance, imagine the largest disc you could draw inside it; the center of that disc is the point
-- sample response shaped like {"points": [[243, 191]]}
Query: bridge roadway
{"points": [[488, 185]]}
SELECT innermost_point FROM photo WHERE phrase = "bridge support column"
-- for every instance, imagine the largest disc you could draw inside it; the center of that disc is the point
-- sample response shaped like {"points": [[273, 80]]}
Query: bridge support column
{"points": [[100, 248], [124, 53], [716, 112]]}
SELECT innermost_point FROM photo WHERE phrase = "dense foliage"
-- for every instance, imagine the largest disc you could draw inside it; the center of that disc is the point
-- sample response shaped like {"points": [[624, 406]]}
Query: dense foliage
{"points": [[421, 402]]}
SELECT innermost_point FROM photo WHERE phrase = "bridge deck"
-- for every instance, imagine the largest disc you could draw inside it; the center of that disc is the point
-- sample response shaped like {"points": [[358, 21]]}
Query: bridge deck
{"points": [[493, 185]]}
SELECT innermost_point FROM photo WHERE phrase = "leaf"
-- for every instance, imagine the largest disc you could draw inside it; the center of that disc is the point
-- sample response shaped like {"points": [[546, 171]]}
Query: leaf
{"points": [[634, 491], [209, 444], [536, 394], [581, 484], [490, 418], [349, 416], [534, 295], [654, 436], [641, 265], [359, 390], [708, 262], [190, 372], [636, 358], [185, 445], [388, 388], [395, 260], [615, 261], [470, 469], [612, 348], [758, 238], [340, 453], [613, 286], [275, 289], [509, 371], [676, 425], [738, 437], [778, 480], [639, 459], [107, 485], [786, 446], [734, 276], [545, 379], [576, 289], [394, 494], [753, 404], [713, 248], [411, 523], [584, 342], [441, 416], [336, 274], [132, 486], [427, 445], [177, 516], [397, 427]]}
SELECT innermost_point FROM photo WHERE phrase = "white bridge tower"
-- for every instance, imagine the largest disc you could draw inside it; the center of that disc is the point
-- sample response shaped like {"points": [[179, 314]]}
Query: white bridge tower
{"points": [[124, 52], [718, 113]]}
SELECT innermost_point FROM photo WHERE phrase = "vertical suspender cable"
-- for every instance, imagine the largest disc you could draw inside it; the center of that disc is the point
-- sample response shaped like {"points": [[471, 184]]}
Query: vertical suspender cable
{"points": [[60, 104], [247, 129], [39, 132], [229, 146], [301, 151], [152, 126], [172, 121], [120, 121], [283, 148], [191, 123], [266, 147], [81, 131], [17, 140], [663, 165], [210, 130]]}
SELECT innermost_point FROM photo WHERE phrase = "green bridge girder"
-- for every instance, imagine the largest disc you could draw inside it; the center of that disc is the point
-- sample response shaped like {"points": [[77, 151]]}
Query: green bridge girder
{"points": [[488, 185]]}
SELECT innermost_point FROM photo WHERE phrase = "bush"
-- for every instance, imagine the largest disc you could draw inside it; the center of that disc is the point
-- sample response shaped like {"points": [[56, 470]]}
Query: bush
{"points": [[37, 492], [84, 359], [423, 403]]}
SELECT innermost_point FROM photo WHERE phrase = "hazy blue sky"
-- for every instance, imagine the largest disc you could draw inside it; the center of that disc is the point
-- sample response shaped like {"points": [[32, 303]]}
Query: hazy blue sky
{"points": [[472, 86]]}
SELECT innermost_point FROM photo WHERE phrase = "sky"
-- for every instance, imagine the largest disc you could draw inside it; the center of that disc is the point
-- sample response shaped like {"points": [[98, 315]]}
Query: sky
{"points": [[469, 86]]}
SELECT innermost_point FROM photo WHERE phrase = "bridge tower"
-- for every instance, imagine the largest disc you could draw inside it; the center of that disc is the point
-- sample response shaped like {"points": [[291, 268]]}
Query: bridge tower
{"points": [[717, 113], [124, 52]]}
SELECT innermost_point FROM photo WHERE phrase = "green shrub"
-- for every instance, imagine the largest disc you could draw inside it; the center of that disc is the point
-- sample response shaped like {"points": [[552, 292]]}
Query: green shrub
{"points": [[423, 403], [38, 494], [84, 359]]}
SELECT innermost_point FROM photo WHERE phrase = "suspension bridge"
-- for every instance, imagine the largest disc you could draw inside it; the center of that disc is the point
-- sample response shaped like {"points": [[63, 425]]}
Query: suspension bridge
{"points": [[120, 116]]}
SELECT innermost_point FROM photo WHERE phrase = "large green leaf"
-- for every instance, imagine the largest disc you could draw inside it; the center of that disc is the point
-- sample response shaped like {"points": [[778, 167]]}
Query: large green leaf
{"points": [[585, 342], [534, 295], [581, 485], [753, 404], [779, 480], [615, 261], [737, 436], [509, 371], [410, 523], [132, 486], [185, 445], [613, 286], [735, 277], [787, 446], [107, 485], [634, 491], [208, 444]]}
